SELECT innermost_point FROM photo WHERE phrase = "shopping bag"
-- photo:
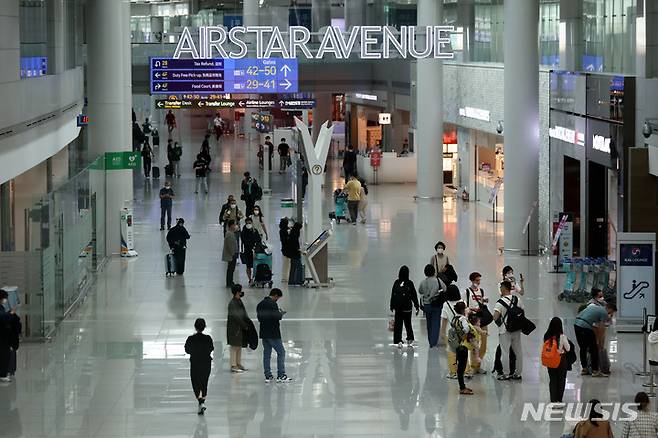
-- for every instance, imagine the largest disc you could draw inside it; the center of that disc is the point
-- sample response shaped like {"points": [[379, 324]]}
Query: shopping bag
{"points": [[391, 323]]}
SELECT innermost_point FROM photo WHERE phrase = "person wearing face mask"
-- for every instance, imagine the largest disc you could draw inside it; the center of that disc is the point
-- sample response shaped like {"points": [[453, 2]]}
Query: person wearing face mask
{"points": [[439, 260], [230, 251], [233, 213], [473, 297], [296, 276], [249, 238], [177, 239], [508, 275], [166, 202], [225, 207], [259, 222], [237, 327]]}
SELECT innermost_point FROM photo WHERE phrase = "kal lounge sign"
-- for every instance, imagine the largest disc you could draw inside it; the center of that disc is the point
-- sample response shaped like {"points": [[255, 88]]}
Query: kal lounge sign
{"points": [[373, 42]]}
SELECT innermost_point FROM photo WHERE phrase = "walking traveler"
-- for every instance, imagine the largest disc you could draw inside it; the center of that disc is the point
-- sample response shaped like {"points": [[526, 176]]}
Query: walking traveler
{"points": [[230, 251], [461, 337], [440, 259], [201, 170], [237, 328], [284, 234], [431, 299], [177, 153], [147, 157], [590, 333], [269, 317], [249, 237], [556, 345], [349, 162], [218, 125], [646, 423], [199, 347], [509, 334], [225, 207], [595, 426], [477, 303], [403, 298], [166, 202], [251, 192], [284, 155], [363, 200], [259, 222], [353, 189], [170, 118], [270, 150], [232, 213], [177, 239], [452, 297]]}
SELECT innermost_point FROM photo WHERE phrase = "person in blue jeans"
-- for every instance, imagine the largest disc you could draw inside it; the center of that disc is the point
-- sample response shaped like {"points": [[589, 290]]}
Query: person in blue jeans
{"points": [[269, 317], [431, 301]]}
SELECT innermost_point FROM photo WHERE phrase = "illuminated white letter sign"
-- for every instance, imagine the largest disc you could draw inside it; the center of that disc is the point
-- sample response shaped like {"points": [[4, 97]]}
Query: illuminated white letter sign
{"points": [[376, 42], [601, 143]]}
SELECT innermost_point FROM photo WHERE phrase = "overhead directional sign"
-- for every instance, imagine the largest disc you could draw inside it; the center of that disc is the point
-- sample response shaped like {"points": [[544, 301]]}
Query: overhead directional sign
{"points": [[286, 104], [203, 76]]}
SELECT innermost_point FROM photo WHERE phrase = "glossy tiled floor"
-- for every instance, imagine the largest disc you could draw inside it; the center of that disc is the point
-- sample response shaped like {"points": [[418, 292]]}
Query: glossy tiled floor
{"points": [[117, 367]]}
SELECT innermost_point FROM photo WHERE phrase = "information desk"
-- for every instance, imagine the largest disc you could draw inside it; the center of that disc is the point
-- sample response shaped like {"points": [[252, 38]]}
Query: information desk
{"points": [[392, 169], [316, 256]]}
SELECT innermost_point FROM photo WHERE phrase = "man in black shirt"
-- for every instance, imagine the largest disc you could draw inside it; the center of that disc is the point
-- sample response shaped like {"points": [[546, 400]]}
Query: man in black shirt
{"points": [[166, 201], [177, 239], [269, 317], [201, 169], [270, 149], [349, 162], [284, 155]]}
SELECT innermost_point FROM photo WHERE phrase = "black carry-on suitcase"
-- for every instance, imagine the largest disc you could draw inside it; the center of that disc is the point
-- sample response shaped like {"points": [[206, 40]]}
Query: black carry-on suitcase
{"points": [[170, 265], [155, 171], [169, 170]]}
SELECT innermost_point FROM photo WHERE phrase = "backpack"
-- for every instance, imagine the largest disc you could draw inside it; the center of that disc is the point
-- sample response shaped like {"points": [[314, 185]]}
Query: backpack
{"points": [[258, 192], [514, 319], [456, 333], [550, 354]]}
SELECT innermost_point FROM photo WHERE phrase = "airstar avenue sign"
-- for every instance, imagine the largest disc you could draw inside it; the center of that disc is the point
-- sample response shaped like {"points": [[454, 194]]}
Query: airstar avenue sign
{"points": [[373, 42]]}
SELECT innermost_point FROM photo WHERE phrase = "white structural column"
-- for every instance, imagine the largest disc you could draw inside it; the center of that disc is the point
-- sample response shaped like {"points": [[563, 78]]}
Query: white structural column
{"points": [[571, 30], [429, 112], [250, 18], [109, 118], [355, 13], [127, 71], [320, 14], [521, 121]]}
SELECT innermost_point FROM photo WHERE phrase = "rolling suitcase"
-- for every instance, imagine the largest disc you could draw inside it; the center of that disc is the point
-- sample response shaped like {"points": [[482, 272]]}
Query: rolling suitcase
{"points": [[155, 171], [169, 170], [170, 265]]}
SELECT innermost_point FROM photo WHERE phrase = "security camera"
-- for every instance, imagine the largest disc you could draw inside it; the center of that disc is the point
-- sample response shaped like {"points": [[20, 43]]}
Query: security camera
{"points": [[499, 127], [647, 130]]}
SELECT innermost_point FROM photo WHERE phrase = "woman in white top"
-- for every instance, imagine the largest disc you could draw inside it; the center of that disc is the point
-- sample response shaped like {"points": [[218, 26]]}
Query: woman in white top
{"points": [[259, 222], [453, 296], [557, 377]]}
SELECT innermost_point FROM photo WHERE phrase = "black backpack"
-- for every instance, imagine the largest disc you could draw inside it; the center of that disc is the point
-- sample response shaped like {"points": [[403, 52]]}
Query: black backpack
{"points": [[514, 319], [258, 192]]}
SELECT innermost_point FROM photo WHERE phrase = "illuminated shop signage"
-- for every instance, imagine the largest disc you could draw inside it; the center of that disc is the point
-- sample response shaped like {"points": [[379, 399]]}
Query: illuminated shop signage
{"points": [[374, 42], [567, 135], [601, 143], [365, 96], [475, 113], [384, 118]]}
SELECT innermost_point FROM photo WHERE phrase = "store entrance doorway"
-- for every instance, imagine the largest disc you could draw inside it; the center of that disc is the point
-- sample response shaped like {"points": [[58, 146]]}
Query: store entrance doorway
{"points": [[572, 198], [597, 211]]}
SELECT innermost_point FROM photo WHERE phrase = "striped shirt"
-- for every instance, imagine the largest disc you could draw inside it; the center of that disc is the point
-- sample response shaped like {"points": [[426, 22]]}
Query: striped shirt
{"points": [[644, 426]]}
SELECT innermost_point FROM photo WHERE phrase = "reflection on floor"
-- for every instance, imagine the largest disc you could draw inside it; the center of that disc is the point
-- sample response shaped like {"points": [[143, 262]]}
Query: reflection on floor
{"points": [[117, 368]]}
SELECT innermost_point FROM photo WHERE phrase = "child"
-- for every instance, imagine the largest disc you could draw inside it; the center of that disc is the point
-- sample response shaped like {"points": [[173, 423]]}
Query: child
{"points": [[473, 338]]}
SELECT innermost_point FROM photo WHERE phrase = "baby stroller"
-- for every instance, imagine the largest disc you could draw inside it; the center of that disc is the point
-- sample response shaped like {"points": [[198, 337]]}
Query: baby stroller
{"points": [[340, 202], [262, 266]]}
